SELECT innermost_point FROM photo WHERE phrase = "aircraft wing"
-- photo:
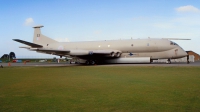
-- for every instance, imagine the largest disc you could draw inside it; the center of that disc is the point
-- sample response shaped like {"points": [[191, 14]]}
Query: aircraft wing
{"points": [[79, 52], [28, 43], [51, 51], [72, 52]]}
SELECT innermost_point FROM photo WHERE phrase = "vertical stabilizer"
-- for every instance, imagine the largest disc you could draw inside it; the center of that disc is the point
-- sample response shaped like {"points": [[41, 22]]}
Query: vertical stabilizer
{"points": [[41, 39]]}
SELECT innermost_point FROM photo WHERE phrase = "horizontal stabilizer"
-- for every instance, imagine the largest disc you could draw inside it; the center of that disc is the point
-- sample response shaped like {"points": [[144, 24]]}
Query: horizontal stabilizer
{"points": [[28, 43]]}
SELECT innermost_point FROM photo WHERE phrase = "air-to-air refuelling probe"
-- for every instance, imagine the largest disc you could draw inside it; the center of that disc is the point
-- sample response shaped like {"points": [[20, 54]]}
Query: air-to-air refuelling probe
{"points": [[107, 51]]}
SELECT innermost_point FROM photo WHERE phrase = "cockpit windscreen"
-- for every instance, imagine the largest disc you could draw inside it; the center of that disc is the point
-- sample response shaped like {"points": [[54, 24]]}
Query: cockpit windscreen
{"points": [[173, 43]]}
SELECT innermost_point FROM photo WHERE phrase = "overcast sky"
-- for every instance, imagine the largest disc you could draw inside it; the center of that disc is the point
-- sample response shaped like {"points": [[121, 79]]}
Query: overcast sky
{"points": [[86, 20]]}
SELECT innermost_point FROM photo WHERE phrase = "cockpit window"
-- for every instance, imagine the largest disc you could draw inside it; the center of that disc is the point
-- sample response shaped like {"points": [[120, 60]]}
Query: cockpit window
{"points": [[173, 43]]}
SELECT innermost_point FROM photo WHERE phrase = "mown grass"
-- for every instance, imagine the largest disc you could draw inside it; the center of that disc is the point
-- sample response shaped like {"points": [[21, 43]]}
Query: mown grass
{"points": [[99, 88]]}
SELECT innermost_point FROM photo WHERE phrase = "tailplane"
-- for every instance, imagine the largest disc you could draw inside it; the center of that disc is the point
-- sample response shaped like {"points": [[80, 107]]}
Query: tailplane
{"points": [[41, 39], [28, 43]]}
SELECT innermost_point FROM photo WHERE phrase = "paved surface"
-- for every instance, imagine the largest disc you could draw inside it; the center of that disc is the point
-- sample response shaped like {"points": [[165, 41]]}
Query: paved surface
{"points": [[197, 63]]}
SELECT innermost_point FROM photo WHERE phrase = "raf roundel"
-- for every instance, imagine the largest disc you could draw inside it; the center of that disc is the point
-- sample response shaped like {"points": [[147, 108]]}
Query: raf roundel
{"points": [[60, 48], [38, 38]]}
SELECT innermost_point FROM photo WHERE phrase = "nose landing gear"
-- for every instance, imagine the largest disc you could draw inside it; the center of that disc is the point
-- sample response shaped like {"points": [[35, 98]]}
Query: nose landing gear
{"points": [[168, 61], [188, 59]]}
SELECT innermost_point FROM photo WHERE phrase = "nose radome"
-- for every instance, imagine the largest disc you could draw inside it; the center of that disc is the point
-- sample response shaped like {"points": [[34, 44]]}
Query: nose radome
{"points": [[182, 53]]}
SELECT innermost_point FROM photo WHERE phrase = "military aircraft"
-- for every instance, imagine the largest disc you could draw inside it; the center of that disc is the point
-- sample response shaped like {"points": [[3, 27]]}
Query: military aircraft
{"points": [[107, 51]]}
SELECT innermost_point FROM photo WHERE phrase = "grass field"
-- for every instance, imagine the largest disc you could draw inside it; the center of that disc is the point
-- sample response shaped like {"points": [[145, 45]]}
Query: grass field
{"points": [[99, 88]]}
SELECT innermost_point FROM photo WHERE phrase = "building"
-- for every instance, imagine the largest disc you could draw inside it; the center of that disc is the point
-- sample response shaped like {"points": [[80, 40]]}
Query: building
{"points": [[196, 56], [192, 58]]}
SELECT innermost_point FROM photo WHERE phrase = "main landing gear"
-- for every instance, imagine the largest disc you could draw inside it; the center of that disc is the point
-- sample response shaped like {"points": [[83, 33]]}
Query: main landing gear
{"points": [[90, 62]]}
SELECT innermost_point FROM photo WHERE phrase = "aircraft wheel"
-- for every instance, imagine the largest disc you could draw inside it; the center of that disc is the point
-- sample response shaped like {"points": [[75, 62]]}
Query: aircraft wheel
{"points": [[92, 62], [168, 61], [87, 62], [118, 54], [112, 54]]}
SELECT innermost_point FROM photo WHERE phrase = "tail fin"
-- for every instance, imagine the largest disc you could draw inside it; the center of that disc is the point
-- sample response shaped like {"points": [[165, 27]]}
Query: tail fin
{"points": [[41, 39]]}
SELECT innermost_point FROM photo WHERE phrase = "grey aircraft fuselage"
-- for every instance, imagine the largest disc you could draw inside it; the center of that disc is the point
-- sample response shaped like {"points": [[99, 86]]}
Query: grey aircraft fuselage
{"points": [[154, 48], [117, 50]]}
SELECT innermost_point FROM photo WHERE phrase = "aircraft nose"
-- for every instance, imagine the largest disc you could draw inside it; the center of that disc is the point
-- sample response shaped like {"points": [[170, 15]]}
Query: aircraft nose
{"points": [[183, 53]]}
